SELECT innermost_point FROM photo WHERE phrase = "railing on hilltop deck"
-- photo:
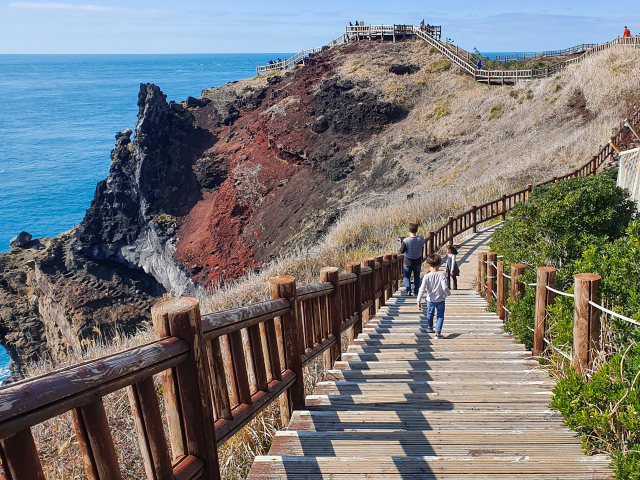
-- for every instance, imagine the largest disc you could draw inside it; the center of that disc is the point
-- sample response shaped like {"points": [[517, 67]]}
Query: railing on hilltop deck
{"points": [[218, 372], [353, 33]]}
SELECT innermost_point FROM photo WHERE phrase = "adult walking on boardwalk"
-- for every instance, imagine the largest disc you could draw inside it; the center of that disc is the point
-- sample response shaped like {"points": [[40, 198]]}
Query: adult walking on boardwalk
{"points": [[412, 247], [626, 33]]}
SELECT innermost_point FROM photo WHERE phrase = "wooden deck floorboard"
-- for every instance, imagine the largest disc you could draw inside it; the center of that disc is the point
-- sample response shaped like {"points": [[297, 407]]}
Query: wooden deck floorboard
{"points": [[401, 404]]}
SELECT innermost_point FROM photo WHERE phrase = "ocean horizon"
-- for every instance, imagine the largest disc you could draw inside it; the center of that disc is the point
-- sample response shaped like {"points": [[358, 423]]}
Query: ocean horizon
{"points": [[59, 121]]}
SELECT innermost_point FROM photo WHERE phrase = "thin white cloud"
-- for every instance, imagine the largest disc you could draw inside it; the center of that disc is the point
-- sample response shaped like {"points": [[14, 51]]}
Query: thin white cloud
{"points": [[60, 6]]}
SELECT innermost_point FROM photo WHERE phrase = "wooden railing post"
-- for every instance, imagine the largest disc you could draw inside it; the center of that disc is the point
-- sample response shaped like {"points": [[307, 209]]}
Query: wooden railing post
{"points": [[180, 317], [394, 272], [20, 459], [388, 274], [546, 278], [371, 263], [482, 273], [529, 188], [430, 242], [285, 287], [355, 267], [517, 287], [504, 208], [500, 284], [474, 222], [147, 417], [380, 279], [492, 258], [450, 230], [586, 322], [331, 275]]}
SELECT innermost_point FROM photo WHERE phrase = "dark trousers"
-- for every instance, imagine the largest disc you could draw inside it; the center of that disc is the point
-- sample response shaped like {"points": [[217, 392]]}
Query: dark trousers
{"points": [[452, 279], [416, 278]]}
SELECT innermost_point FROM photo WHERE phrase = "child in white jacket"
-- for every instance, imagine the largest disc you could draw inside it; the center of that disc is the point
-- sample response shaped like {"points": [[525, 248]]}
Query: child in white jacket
{"points": [[434, 286]]}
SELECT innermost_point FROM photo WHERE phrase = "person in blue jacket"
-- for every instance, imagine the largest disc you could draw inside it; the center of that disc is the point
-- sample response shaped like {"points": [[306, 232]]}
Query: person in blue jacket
{"points": [[479, 64]]}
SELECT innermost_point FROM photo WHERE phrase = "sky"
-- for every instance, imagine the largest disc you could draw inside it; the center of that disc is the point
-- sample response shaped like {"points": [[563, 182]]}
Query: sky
{"points": [[254, 26]]}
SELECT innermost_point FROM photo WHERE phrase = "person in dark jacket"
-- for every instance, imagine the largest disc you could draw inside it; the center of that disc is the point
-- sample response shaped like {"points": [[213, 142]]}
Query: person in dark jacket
{"points": [[452, 270], [412, 247], [479, 64]]}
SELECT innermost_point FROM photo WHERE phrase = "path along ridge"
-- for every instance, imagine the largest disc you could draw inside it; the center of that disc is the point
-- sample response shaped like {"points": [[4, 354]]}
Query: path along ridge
{"points": [[403, 405]]}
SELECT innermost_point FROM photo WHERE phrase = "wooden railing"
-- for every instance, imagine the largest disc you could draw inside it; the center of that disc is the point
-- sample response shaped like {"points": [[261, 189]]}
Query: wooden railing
{"points": [[353, 33], [478, 214], [464, 60], [495, 284], [218, 372], [549, 53]]}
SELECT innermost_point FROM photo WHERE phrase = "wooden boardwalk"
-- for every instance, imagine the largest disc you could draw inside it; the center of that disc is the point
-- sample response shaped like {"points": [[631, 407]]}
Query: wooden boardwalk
{"points": [[403, 405]]}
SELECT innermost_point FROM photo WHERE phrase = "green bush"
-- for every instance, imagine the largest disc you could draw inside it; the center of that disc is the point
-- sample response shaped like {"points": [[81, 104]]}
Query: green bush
{"points": [[585, 225], [605, 410], [561, 220]]}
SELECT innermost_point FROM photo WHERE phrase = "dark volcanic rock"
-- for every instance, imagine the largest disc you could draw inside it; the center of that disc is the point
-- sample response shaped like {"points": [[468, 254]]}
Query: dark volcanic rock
{"points": [[400, 69], [210, 172], [53, 299], [20, 240], [147, 177]]}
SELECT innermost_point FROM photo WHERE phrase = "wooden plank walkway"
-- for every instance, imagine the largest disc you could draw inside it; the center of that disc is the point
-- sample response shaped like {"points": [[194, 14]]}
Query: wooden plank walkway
{"points": [[404, 405]]}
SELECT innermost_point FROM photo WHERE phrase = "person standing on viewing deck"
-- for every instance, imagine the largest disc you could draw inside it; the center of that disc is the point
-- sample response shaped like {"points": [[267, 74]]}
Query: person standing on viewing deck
{"points": [[479, 64], [412, 248], [434, 287], [626, 33]]}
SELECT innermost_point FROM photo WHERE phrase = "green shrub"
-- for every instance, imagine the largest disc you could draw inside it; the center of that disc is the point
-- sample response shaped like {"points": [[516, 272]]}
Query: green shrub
{"points": [[605, 410], [496, 110], [521, 318], [561, 220]]}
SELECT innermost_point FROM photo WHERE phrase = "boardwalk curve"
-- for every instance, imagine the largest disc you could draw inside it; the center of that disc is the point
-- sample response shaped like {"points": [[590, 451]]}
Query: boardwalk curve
{"points": [[403, 405]]}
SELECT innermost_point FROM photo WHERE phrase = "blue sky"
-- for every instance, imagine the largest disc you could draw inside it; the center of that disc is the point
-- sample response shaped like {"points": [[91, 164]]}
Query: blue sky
{"points": [[191, 26]]}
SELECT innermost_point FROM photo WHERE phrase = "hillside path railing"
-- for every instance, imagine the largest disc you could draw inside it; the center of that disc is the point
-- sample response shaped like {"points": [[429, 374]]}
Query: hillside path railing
{"points": [[462, 58]]}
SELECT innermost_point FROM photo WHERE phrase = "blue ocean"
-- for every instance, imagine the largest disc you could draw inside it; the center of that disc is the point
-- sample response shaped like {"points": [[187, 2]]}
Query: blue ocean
{"points": [[58, 123]]}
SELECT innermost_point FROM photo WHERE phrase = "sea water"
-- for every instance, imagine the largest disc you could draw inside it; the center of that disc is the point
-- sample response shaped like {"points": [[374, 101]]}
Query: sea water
{"points": [[58, 122]]}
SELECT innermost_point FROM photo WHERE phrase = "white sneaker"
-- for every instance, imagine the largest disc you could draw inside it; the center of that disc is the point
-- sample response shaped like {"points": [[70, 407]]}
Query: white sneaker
{"points": [[429, 330], [439, 336]]}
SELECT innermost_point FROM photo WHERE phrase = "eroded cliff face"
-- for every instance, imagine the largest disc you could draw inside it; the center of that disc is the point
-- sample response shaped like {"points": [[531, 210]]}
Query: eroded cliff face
{"points": [[53, 299]]}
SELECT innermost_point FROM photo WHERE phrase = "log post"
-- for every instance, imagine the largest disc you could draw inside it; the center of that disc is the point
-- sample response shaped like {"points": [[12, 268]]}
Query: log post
{"points": [[504, 207], [529, 188], [95, 441], [450, 230], [586, 322], [517, 287], [482, 273], [500, 285], [475, 220], [388, 274], [180, 317], [546, 278], [355, 267], [492, 258], [371, 263], [429, 242], [20, 457], [380, 280], [292, 331], [148, 420], [394, 272]]}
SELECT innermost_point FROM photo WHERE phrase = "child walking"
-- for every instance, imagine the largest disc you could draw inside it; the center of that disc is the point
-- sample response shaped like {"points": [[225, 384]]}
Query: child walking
{"points": [[434, 286], [452, 271]]}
